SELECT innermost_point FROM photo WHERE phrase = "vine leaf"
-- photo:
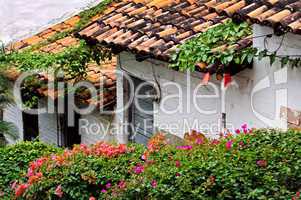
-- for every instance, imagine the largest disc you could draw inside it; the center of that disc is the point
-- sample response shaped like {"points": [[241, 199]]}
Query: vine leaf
{"points": [[284, 61], [272, 58]]}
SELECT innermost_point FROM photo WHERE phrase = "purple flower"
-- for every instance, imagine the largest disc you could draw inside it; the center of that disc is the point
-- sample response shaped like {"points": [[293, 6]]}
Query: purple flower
{"points": [[103, 191], [108, 185], [187, 147], [138, 169]]}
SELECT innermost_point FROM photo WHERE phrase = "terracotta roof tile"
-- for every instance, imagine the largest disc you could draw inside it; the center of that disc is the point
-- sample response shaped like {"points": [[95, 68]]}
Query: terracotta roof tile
{"points": [[282, 15], [153, 27]]}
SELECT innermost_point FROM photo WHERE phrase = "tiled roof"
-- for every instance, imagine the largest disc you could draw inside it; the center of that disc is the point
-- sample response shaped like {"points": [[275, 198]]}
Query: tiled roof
{"points": [[105, 73], [282, 15], [45, 34], [152, 27]]}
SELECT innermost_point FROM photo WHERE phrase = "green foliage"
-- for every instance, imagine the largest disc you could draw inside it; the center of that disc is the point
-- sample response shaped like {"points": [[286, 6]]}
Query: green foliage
{"points": [[14, 161], [199, 49], [261, 164], [86, 15]]}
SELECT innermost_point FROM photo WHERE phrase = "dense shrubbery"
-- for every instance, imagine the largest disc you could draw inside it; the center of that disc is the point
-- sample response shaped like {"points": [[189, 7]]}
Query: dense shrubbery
{"points": [[258, 164], [14, 161]]}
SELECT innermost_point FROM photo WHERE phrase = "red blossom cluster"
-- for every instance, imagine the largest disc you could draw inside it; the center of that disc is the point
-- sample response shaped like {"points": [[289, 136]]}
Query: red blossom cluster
{"points": [[101, 149], [156, 143], [34, 174]]}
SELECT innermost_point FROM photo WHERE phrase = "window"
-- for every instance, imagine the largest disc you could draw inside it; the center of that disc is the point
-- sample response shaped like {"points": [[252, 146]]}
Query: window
{"points": [[141, 114]]}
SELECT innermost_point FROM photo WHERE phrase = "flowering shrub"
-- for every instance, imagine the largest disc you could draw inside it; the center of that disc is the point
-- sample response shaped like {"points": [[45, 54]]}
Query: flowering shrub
{"points": [[250, 164], [14, 161]]}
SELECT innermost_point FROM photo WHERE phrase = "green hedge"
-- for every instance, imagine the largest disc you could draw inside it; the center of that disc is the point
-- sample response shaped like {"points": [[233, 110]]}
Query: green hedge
{"points": [[255, 164]]}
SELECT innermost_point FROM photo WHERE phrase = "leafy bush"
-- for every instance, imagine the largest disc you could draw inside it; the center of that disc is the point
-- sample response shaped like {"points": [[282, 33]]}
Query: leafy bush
{"points": [[14, 160], [254, 164]]}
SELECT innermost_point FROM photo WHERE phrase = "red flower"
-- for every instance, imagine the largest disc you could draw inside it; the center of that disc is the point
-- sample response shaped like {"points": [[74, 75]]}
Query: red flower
{"points": [[178, 174], [154, 183], [212, 179], [92, 198], [229, 144], [297, 196], [58, 191], [237, 131], [262, 163], [20, 190], [215, 142], [178, 163]]}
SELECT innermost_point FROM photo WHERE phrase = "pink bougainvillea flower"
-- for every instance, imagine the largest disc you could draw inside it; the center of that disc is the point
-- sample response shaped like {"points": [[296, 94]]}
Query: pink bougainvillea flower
{"points": [[244, 126], [154, 183], [108, 185], [178, 163], [215, 142], [186, 147], [92, 198], [237, 131], [121, 184], [262, 163], [58, 191], [241, 143], [20, 190], [229, 144], [30, 172], [33, 179], [103, 191], [13, 185], [199, 141], [138, 169], [1, 194], [39, 174]]}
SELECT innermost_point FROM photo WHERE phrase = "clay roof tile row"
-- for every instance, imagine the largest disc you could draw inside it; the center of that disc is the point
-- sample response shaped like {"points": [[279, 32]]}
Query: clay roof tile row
{"points": [[282, 15], [155, 27]]}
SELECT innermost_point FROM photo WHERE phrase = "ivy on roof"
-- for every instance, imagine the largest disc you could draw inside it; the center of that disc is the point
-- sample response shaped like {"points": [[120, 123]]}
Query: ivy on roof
{"points": [[224, 45], [217, 45]]}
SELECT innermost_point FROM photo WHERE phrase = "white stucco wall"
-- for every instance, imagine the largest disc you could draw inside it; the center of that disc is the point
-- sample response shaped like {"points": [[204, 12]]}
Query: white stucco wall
{"points": [[96, 127], [14, 115], [253, 98]]}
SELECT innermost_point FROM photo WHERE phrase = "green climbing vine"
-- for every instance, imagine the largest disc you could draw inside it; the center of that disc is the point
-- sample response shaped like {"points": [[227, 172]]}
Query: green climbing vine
{"points": [[207, 48]]}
